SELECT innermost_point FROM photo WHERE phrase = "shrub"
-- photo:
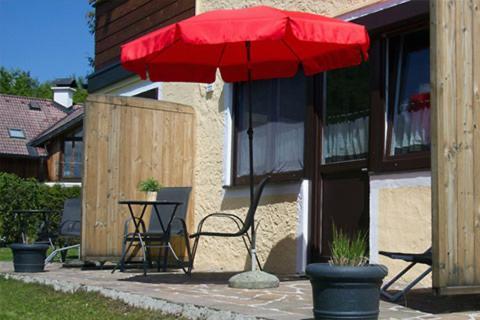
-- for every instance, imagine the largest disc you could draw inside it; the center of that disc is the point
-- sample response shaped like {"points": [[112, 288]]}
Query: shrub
{"points": [[29, 194], [346, 251], [149, 185]]}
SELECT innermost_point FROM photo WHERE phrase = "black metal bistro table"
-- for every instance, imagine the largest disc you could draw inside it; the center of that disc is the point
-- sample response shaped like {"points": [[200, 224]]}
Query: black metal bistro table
{"points": [[140, 233], [43, 232]]}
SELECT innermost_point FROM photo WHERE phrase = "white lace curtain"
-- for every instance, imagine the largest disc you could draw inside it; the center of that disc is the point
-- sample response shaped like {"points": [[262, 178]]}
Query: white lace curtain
{"points": [[278, 119], [277, 147], [345, 140], [411, 112], [411, 128]]}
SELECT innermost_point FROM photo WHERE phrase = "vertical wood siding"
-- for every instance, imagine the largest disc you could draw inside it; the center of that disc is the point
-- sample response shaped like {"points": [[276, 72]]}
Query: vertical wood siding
{"points": [[121, 21], [22, 167], [455, 77], [128, 140]]}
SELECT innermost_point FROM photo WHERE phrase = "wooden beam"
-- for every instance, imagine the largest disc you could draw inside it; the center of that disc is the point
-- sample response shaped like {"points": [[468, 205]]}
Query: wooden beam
{"points": [[455, 69]]}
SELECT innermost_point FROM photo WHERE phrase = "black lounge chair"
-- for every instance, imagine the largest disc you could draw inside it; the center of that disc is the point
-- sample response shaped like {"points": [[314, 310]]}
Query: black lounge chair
{"points": [[413, 258], [155, 237], [69, 229], [243, 226]]}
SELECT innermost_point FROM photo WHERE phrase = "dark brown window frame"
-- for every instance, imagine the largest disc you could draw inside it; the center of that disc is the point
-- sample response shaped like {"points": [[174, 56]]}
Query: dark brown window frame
{"points": [[68, 137], [380, 160]]}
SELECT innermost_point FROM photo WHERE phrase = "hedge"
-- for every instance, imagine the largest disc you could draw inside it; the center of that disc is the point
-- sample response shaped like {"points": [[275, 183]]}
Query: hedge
{"points": [[25, 194]]}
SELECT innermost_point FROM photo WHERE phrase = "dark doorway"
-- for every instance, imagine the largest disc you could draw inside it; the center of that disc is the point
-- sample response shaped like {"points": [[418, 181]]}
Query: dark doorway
{"points": [[341, 184], [344, 204]]}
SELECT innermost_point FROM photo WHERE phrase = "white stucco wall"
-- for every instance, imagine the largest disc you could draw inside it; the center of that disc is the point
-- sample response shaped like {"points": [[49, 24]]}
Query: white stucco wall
{"points": [[400, 220]]}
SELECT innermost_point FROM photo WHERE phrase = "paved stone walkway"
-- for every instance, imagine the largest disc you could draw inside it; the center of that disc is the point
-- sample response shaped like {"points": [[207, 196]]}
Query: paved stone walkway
{"points": [[206, 295]]}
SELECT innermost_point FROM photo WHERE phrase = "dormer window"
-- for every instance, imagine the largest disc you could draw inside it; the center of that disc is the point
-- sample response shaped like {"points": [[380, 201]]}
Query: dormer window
{"points": [[16, 133]]}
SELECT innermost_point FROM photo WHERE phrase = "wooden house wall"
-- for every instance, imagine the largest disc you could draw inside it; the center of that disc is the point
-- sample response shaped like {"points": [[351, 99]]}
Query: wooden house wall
{"points": [[127, 140], [455, 77], [55, 155], [23, 167], [121, 21], [54, 149]]}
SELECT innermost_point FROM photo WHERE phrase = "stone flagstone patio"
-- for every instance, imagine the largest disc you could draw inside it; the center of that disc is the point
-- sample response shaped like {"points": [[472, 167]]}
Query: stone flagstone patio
{"points": [[207, 296]]}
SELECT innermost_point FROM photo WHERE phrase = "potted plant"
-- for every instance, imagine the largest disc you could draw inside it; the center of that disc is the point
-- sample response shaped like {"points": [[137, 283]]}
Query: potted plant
{"points": [[151, 187], [347, 287], [29, 257]]}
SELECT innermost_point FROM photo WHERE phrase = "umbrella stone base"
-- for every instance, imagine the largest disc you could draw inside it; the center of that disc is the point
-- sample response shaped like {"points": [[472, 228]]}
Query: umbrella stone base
{"points": [[253, 280]]}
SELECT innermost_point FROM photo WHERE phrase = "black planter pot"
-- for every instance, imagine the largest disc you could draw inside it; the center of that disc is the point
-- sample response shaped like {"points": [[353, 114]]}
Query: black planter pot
{"points": [[29, 257], [342, 292]]}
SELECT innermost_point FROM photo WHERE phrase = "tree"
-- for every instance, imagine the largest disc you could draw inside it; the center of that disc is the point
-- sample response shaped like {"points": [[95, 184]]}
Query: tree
{"points": [[81, 94], [21, 83], [92, 24]]}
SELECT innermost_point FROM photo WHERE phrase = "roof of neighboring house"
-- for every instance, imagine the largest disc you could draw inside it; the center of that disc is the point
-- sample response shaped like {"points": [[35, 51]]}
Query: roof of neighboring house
{"points": [[72, 119], [31, 117], [65, 82]]}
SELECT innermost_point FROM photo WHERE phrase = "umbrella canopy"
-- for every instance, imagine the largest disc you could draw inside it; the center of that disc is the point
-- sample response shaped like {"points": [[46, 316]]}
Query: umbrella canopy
{"points": [[193, 49]]}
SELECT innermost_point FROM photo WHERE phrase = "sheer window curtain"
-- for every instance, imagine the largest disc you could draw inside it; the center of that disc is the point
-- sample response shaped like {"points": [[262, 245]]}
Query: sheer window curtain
{"points": [[411, 114], [278, 117], [346, 114], [346, 139], [278, 147]]}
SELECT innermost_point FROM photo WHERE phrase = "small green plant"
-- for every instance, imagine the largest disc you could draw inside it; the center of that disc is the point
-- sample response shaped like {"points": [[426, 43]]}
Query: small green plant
{"points": [[346, 251], [149, 185]]}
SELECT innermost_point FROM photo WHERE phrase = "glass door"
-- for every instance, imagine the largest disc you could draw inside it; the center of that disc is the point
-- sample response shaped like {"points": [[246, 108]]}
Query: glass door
{"points": [[342, 173]]}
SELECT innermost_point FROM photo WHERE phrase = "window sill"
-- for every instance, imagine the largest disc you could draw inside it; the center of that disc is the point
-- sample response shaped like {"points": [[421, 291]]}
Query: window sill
{"points": [[76, 179], [276, 177], [412, 162]]}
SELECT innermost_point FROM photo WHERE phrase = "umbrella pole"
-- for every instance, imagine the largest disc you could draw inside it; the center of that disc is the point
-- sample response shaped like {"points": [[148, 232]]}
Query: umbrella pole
{"points": [[250, 155], [253, 279]]}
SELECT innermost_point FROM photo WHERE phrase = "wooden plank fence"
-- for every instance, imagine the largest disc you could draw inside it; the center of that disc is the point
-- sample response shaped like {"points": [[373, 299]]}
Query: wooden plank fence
{"points": [[128, 140]]}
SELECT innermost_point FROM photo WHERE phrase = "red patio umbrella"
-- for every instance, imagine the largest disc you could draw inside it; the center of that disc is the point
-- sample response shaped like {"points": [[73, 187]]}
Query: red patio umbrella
{"points": [[246, 44]]}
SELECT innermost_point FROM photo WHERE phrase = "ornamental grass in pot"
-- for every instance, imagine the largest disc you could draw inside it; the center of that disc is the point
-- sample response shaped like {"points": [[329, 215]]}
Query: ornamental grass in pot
{"points": [[29, 257], [347, 287]]}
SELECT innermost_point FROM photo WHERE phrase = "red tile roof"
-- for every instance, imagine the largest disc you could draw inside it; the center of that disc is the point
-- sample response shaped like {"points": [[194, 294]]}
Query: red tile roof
{"points": [[74, 117], [15, 113]]}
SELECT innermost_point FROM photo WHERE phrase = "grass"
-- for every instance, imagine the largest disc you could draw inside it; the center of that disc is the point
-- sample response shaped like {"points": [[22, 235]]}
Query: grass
{"points": [[5, 254], [33, 301], [348, 251]]}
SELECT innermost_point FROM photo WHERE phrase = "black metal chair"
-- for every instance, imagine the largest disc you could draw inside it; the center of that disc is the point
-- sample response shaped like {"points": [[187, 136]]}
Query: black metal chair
{"points": [[155, 237], [413, 258], [43, 233], [243, 225], [69, 229]]}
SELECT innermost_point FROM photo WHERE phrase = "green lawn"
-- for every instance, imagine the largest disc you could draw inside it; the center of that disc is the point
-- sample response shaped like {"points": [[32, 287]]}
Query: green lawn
{"points": [[20, 300], [5, 254]]}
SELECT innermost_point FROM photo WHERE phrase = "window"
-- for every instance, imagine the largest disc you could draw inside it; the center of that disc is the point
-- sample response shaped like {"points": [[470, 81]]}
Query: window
{"points": [[279, 108], [35, 105], [346, 115], [149, 94], [408, 93], [16, 133], [73, 155]]}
